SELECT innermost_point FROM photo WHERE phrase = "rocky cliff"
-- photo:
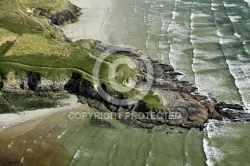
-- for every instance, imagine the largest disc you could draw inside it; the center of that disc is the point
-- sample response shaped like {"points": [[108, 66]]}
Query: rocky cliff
{"points": [[61, 17], [181, 104]]}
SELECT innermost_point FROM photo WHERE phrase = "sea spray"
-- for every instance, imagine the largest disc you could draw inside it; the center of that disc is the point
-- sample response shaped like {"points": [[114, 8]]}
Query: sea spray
{"points": [[213, 154]]}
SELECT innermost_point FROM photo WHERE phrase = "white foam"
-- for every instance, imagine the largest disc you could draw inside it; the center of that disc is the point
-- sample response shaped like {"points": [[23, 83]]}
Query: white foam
{"points": [[243, 58], [150, 153], [207, 39], [219, 33], [214, 4], [175, 14], [248, 2], [163, 45], [229, 5], [198, 14], [212, 8], [60, 136], [30, 150], [213, 155], [22, 160], [10, 145], [82, 153], [218, 129], [206, 54], [237, 35], [77, 154], [240, 71], [226, 41], [234, 18]]}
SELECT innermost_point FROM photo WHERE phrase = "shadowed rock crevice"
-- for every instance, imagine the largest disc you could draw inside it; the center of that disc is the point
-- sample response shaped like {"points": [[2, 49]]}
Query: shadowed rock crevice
{"points": [[181, 104], [61, 17], [33, 80]]}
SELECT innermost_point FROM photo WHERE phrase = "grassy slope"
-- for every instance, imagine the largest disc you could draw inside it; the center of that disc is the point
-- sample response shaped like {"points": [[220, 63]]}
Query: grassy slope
{"points": [[52, 6], [30, 44], [6, 35]]}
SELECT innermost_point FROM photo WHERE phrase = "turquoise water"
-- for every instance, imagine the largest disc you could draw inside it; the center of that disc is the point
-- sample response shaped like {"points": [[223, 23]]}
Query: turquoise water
{"points": [[208, 41]]}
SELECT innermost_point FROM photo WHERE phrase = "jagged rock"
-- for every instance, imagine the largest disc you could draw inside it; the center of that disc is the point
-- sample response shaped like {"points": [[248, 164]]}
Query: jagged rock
{"points": [[181, 107], [199, 97], [121, 109], [96, 104], [42, 12], [33, 80], [213, 113], [230, 106], [73, 83], [235, 115], [82, 100], [61, 17], [141, 107], [50, 86], [113, 108]]}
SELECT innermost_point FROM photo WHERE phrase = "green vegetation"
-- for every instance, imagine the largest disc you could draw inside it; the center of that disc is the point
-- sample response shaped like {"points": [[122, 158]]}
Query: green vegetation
{"points": [[28, 100], [6, 35], [18, 23], [152, 100], [29, 44], [52, 6]]}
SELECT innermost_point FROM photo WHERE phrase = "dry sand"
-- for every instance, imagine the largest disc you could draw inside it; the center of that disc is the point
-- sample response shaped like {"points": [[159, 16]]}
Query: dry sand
{"points": [[8, 120], [91, 21]]}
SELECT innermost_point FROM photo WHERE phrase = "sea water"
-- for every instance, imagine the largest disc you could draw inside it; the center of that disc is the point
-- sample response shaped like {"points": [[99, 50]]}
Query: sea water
{"points": [[209, 42]]}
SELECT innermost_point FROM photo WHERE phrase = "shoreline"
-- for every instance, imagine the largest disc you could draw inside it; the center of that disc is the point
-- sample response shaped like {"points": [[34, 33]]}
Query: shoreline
{"points": [[8, 120], [85, 26], [12, 119]]}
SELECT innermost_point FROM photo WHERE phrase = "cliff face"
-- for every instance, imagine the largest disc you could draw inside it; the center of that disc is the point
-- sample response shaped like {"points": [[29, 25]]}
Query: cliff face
{"points": [[67, 15], [181, 104]]}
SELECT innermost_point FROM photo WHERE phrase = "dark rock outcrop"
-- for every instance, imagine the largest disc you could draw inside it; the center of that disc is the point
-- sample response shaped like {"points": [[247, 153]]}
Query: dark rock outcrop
{"points": [[33, 80], [101, 122], [64, 16], [61, 17], [181, 104], [180, 96]]}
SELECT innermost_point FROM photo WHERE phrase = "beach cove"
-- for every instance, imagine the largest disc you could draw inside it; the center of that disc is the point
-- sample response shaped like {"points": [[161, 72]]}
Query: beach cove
{"points": [[87, 141]]}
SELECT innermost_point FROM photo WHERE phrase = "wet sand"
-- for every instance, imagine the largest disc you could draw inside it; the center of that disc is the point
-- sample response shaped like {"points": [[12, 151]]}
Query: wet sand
{"points": [[8, 120], [30, 143], [90, 23]]}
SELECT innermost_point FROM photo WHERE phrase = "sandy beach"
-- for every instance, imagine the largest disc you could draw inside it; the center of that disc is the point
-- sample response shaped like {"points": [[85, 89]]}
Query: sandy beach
{"points": [[8, 120], [91, 21], [89, 26]]}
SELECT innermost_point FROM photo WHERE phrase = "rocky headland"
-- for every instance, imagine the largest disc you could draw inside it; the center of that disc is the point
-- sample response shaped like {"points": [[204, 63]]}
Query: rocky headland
{"points": [[175, 96]]}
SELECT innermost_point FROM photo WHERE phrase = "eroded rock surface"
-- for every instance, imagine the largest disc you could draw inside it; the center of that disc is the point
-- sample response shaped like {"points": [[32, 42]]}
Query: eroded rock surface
{"points": [[181, 104]]}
